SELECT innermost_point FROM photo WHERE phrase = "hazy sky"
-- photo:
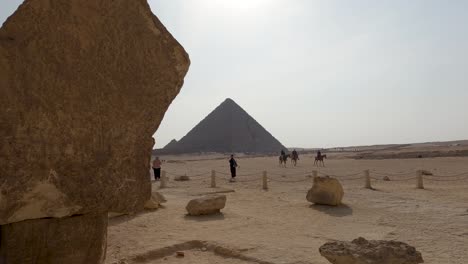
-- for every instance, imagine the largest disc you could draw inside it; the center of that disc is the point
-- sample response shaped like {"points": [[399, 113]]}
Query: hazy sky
{"points": [[322, 73]]}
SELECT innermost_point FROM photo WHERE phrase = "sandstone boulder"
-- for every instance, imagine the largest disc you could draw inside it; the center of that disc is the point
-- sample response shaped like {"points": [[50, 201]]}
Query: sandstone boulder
{"points": [[77, 239], [326, 191], [84, 86], [182, 178], [155, 201], [209, 204], [362, 251]]}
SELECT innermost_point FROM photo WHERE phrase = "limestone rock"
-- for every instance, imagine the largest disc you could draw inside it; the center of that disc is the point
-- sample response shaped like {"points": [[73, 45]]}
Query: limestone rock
{"points": [[77, 240], [182, 178], [362, 251], [155, 201], [84, 86], [206, 205], [326, 191]]}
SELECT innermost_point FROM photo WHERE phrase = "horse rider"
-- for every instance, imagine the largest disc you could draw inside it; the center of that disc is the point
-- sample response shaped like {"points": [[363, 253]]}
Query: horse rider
{"points": [[283, 153], [319, 154], [295, 155]]}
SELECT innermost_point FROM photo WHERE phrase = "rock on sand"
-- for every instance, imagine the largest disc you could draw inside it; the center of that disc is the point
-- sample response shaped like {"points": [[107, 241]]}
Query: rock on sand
{"points": [[210, 204], [326, 190], [362, 251]]}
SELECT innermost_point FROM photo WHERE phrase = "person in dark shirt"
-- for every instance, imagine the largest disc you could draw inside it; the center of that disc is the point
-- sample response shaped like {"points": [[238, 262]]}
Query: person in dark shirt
{"points": [[233, 166]]}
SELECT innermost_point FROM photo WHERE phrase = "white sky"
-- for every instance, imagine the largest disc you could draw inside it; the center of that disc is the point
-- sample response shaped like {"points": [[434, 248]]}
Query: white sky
{"points": [[322, 73]]}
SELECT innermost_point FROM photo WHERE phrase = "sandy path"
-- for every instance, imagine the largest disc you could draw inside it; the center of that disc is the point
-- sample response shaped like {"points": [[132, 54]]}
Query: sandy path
{"points": [[280, 226]]}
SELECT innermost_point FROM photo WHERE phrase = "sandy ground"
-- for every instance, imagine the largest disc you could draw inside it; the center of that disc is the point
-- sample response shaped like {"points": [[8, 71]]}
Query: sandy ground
{"points": [[280, 226]]}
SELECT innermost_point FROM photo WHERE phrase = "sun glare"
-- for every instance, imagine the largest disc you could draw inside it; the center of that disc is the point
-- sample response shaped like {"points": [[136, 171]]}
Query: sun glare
{"points": [[244, 4], [237, 5]]}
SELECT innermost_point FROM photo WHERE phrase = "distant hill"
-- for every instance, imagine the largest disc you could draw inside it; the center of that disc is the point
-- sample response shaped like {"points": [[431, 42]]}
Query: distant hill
{"points": [[227, 129]]}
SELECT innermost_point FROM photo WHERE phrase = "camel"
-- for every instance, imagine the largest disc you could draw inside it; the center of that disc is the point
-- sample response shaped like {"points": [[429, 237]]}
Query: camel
{"points": [[283, 159], [294, 160], [319, 160]]}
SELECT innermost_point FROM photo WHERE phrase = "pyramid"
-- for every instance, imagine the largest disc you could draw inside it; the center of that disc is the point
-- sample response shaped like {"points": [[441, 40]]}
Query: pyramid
{"points": [[228, 129]]}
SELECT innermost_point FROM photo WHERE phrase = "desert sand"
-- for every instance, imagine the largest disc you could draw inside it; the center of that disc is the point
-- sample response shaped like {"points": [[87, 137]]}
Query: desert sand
{"points": [[280, 226]]}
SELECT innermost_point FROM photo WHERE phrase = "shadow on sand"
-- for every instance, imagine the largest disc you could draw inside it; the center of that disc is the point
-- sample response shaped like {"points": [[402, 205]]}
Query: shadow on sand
{"points": [[337, 211], [125, 217], [204, 218]]}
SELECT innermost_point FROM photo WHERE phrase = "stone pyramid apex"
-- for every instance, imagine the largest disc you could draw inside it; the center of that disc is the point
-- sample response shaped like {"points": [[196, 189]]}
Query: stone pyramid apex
{"points": [[228, 128]]}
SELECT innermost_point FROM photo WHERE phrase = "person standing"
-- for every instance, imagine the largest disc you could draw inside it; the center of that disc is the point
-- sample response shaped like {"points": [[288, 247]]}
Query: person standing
{"points": [[233, 166], [157, 169]]}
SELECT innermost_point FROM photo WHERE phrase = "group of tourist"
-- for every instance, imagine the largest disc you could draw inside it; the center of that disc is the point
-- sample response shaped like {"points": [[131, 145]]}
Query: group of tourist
{"points": [[232, 164]]}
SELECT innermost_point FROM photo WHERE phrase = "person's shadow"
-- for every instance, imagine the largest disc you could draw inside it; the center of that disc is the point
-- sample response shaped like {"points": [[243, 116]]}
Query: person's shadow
{"points": [[336, 211]]}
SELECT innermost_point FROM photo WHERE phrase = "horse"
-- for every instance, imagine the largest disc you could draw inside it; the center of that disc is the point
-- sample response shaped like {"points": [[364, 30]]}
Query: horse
{"points": [[294, 159], [319, 160], [283, 159]]}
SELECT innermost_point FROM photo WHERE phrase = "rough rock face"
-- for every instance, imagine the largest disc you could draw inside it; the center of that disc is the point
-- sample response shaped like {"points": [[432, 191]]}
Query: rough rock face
{"points": [[84, 85], [77, 240], [326, 190], [362, 251], [227, 129], [155, 201], [206, 205]]}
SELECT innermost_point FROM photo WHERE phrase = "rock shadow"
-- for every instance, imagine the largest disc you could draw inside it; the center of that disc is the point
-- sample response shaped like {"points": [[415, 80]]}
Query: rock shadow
{"points": [[336, 211], [204, 218], [125, 217]]}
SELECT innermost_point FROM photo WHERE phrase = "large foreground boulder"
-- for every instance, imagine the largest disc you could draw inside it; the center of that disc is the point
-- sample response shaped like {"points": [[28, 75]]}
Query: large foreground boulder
{"points": [[83, 87], [77, 240], [362, 251], [209, 204], [326, 191]]}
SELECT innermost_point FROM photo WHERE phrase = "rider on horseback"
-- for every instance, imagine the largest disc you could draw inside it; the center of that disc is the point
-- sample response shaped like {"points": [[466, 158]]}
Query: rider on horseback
{"points": [[295, 156]]}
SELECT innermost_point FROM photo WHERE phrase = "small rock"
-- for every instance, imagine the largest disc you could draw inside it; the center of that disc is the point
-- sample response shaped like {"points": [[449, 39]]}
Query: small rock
{"points": [[326, 190], [159, 197], [180, 254], [386, 178], [155, 201], [203, 249], [209, 204], [362, 251]]}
